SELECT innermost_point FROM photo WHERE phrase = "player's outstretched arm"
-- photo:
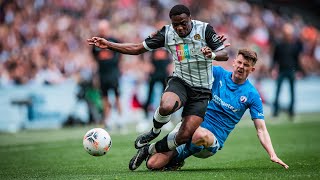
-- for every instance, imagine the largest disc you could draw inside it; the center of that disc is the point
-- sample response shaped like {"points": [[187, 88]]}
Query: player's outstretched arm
{"points": [[265, 141], [124, 48]]}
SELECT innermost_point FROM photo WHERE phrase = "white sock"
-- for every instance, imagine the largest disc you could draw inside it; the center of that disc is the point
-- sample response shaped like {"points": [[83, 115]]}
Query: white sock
{"points": [[161, 119], [155, 130], [171, 140], [152, 149]]}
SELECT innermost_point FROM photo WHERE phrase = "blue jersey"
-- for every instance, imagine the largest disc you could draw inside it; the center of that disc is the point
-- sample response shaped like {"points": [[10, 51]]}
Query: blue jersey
{"points": [[229, 103]]}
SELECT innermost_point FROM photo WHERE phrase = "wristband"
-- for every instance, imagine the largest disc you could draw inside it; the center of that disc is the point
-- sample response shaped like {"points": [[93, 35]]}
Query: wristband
{"points": [[213, 55]]}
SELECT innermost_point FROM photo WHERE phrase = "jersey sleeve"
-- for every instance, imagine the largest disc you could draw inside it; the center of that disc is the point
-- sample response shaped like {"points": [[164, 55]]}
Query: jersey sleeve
{"points": [[256, 108], [155, 40], [211, 39]]}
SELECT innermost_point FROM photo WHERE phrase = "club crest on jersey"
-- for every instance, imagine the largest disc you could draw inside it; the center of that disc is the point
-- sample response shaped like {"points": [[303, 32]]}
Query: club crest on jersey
{"points": [[243, 99], [197, 37]]}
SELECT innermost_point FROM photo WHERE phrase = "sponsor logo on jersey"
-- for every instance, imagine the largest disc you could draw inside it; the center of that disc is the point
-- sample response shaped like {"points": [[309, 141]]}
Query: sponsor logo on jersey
{"points": [[243, 99], [183, 52], [220, 102]]}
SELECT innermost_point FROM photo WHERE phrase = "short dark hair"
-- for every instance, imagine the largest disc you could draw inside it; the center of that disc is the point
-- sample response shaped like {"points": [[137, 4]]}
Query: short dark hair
{"points": [[249, 55], [179, 9]]}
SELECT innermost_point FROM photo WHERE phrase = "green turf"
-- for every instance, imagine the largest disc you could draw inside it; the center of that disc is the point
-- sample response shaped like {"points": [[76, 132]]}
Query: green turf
{"points": [[58, 154]]}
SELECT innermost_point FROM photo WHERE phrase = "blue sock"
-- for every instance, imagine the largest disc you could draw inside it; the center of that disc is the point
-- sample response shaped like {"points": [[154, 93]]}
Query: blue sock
{"points": [[186, 150]]}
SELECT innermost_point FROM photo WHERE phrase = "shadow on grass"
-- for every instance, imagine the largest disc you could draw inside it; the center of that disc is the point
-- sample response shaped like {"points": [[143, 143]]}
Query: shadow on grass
{"points": [[215, 169], [230, 169]]}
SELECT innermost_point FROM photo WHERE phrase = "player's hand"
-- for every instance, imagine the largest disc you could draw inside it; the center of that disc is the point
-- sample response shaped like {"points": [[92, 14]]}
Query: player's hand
{"points": [[279, 161], [207, 52], [99, 42], [222, 39]]}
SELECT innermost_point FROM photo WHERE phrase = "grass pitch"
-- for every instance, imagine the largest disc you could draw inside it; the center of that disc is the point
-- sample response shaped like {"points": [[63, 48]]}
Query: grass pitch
{"points": [[59, 154]]}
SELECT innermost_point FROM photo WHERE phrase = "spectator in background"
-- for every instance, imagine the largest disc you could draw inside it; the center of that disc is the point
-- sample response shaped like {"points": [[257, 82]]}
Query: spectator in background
{"points": [[108, 70], [286, 64], [27, 27], [317, 55]]}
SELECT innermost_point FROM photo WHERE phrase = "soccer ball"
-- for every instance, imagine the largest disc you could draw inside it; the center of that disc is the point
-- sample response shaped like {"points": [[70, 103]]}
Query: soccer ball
{"points": [[97, 142]]}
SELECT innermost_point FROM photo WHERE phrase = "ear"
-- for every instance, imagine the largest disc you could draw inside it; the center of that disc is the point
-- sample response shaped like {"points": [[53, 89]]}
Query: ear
{"points": [[253, 69]]}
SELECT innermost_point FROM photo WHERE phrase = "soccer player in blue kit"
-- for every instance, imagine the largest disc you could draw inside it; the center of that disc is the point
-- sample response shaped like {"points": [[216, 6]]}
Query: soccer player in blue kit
{"points": [[232, 95]]}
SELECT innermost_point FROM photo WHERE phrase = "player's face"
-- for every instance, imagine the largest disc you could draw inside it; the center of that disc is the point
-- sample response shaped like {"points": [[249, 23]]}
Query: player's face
{"points": [[181, 24], [241, 69]]}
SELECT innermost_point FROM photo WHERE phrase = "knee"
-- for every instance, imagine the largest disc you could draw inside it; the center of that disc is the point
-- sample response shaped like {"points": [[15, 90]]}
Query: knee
{"points": [[152, 163], [165, 109], [158, 160], [168, 107], [202, 137], [199, 136], [170, 102]]}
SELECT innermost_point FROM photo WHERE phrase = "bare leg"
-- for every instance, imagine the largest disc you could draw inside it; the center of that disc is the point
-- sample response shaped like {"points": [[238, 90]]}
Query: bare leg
{"points": [[118, 105], [203, 137], [106, 110], [174, 139], [188, 127], [159, 160]]}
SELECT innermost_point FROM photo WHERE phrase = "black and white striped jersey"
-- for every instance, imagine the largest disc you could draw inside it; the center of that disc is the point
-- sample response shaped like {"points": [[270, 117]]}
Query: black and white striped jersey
{"points": [[189, 62]]}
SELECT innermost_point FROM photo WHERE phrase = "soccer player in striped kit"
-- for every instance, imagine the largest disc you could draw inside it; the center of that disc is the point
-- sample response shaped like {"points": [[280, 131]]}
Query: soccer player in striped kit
{"points": [[193, 45]]}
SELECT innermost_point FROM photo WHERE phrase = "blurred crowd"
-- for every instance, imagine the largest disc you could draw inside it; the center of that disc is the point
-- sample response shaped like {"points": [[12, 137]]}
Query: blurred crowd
{"points": [[44, 41]]}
